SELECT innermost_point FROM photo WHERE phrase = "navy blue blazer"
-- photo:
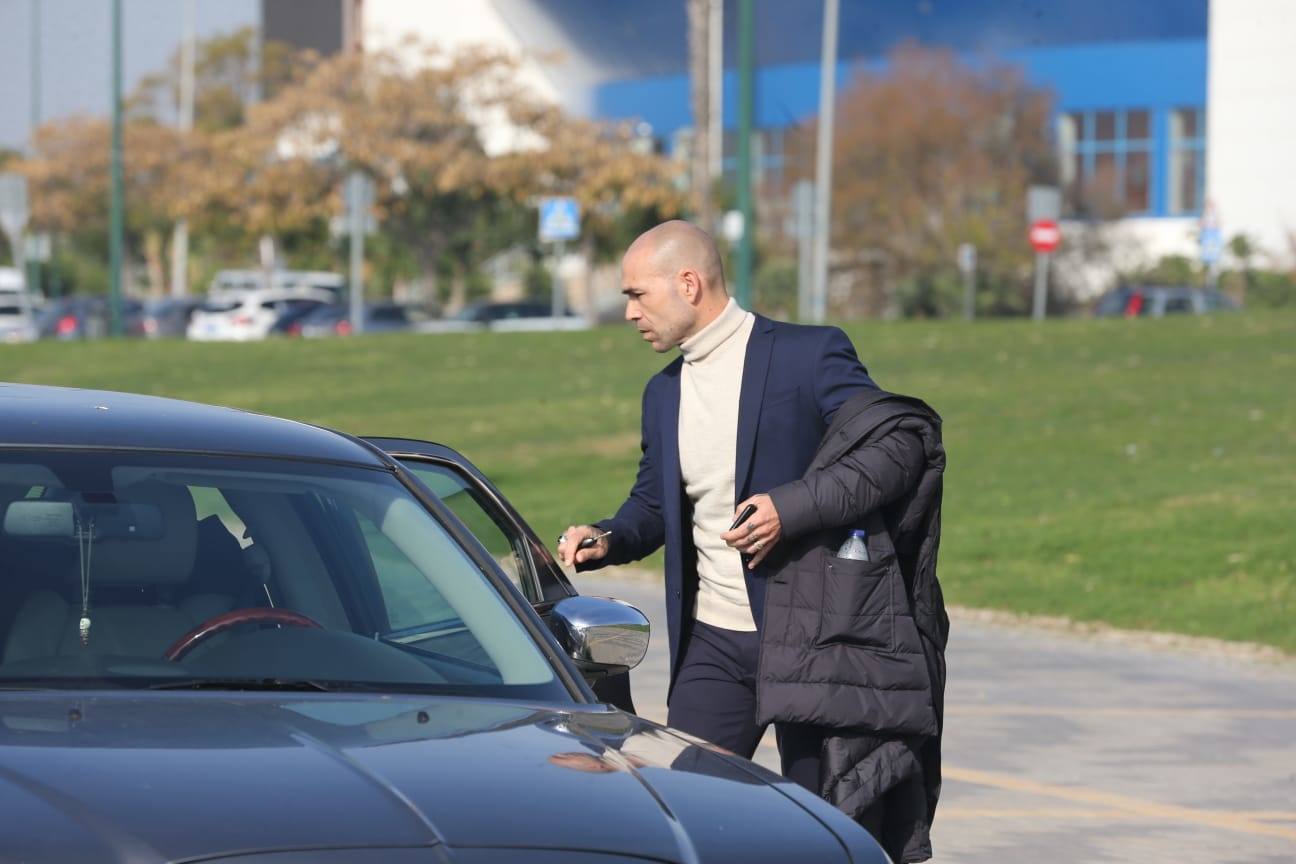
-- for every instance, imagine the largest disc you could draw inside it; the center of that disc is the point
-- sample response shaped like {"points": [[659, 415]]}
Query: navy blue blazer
{"points": [[794, 379]]}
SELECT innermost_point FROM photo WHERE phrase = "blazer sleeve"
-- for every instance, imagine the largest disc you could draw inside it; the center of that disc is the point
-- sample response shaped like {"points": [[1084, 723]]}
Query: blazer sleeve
{"points": [[637, 529], [872, 475], [838, 374]]}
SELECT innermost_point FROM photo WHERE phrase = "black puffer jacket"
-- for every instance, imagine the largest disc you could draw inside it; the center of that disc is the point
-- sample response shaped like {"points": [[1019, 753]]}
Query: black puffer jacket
{"points": [[858, 646]]}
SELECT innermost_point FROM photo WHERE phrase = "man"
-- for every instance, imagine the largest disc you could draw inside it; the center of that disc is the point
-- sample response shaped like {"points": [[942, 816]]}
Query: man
{"points": [[739, 413]]}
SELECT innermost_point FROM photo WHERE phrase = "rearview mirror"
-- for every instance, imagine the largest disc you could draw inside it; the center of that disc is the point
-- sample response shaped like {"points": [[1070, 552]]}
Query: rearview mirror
{"points": [[39, 519], [112, 520], [604, 636]]}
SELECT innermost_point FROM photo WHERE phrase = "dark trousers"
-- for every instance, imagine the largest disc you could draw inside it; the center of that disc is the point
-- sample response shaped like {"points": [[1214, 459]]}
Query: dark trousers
{"points": [[715, 699]]}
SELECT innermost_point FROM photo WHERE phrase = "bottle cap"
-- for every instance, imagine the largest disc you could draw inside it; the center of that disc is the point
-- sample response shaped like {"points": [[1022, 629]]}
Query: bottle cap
{"points": [[858, 532]]}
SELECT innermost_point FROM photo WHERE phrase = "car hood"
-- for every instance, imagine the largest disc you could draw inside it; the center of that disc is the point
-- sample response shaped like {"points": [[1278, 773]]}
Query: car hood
{"points": [[181, 776]]}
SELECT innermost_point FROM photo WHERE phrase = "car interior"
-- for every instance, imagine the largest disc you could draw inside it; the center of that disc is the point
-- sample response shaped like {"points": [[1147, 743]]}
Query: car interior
{"points": [[114, 570]]}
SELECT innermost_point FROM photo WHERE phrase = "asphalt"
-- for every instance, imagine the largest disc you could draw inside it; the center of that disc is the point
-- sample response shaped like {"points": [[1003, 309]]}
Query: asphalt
{"points": [[1070, 748]]}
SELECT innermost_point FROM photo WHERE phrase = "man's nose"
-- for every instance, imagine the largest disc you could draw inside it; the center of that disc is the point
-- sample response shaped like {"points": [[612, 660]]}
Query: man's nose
{"points": [[632, 312]]}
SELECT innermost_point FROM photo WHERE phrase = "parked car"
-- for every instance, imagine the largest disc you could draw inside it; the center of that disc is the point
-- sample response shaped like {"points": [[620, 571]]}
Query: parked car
{"points": [[226, 635], [167, 318], [17, 323], [87, 317], [289, 323], [231, 282], [251, 314], [1156, 301], [17, 318], [378, 318], [519, 316]]}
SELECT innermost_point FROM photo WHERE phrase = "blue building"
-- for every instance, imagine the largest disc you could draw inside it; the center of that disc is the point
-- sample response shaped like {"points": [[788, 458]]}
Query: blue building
{"points": [[1129, 80]]}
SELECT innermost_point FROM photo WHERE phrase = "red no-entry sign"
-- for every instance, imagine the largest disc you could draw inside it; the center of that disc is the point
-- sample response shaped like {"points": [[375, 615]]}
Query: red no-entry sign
{"points": [[1044, 235]]}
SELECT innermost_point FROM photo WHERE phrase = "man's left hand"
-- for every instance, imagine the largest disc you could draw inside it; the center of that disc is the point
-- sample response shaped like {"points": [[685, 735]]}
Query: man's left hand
{"points": [[758, 535]]}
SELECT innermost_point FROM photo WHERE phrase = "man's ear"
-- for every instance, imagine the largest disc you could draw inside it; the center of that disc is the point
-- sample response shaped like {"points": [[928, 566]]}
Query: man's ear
{"points": [[691, 285]]}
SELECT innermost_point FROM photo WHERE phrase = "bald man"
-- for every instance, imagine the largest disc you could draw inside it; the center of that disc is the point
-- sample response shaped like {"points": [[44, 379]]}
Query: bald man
{"points": [[738, 414]]}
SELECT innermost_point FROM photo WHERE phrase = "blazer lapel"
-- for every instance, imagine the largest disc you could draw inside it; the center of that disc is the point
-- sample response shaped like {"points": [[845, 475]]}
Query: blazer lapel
{"points": [[670, 450], [750, 397]]}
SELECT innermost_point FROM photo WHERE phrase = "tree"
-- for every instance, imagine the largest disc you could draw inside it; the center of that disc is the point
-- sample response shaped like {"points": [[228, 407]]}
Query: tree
{"points": [[931, 153], [69, 176], [457, 148]]}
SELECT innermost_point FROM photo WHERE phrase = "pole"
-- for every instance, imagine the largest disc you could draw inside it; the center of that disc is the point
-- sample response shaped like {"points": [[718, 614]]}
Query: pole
{"points": [[180, 234], [1041, 285], [115, 213], [356, 200], [33, 264], [715, 60], [746, 100], [699, 44], [557, 296], [969, 293], [803, 207], [823, 159]]}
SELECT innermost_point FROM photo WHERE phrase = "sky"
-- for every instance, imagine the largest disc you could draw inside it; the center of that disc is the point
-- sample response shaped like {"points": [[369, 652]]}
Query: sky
{"points": [[76, 52]]}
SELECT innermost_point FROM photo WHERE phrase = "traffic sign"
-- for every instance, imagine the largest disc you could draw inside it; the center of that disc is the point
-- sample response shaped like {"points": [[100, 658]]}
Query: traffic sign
{"points": [[1045, 235], [559, 219]]}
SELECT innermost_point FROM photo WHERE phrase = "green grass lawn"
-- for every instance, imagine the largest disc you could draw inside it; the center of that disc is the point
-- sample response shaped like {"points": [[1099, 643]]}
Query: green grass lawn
{"points": [[1141, 473]]}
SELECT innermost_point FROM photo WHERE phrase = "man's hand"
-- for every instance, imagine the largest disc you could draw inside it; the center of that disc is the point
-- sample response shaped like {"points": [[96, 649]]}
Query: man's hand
{"points": [[757, 536], [570, 539]]}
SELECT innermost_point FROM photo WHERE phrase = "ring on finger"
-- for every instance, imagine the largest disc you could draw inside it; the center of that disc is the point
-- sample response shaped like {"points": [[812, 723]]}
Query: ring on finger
{"points": [[758, 545]]}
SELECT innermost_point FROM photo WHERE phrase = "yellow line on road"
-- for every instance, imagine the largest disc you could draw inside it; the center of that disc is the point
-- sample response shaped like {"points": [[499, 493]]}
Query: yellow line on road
{"points": [[956, 812], [1018, 710], [1241, 821]]}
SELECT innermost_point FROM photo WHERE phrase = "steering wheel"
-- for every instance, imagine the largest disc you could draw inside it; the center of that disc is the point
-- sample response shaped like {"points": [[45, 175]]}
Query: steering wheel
{"points": [[223, 622]]}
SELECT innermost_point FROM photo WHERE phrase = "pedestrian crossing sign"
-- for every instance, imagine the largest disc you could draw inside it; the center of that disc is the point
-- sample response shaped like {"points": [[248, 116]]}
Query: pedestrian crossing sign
{"points": [[559, 219]]}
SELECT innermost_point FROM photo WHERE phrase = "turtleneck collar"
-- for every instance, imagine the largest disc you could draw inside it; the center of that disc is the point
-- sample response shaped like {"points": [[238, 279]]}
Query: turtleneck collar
{"points": [[698, 346]]}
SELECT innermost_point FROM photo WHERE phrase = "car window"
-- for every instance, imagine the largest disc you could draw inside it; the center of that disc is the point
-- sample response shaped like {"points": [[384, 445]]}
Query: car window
{"points": [[220, 306], [149, 549], [1177, 305], [491, 527]]}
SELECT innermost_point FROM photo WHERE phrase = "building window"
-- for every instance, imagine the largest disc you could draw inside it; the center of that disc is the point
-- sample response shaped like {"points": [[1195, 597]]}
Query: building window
{"points": [[1106, 161], [1187, 161]]}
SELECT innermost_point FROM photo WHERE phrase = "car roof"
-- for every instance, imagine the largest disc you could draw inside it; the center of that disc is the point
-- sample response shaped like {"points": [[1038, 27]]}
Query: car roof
{"points": [[36, 415]]}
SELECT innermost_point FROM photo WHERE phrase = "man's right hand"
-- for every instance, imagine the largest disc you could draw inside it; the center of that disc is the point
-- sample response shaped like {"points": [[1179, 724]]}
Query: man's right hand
{"points": [[568, 553]]}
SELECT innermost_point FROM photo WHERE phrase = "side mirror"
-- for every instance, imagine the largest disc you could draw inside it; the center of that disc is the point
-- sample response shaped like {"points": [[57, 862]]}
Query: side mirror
{"points": [[604, 636]]}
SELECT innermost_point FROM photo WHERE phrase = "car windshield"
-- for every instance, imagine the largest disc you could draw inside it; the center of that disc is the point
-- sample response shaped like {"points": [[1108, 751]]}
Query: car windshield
{"points": [[126, 570], [220, 305]]}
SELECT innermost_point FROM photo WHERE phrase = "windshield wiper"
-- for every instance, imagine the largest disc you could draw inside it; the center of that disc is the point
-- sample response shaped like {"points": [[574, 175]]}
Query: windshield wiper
{"points": [[285, 685]]}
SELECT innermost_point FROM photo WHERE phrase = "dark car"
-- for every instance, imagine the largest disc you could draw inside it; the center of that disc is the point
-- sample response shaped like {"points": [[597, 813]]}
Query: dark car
{"points": [[167, 318], [490, 312], [87, 317], [226, 635], [1156, 301], [377, 318], [289, 322]]}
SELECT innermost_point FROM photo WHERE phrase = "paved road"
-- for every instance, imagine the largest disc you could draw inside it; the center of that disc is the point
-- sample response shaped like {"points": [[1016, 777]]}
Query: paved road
{"points": [[1066, 749]]}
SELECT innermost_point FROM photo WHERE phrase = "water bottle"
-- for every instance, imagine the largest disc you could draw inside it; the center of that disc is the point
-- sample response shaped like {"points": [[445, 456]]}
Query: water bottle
{"points": [[855, 547]]}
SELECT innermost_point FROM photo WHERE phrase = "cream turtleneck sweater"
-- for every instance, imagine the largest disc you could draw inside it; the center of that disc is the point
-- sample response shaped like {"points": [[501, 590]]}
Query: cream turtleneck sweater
{"points": [[708, 450]]}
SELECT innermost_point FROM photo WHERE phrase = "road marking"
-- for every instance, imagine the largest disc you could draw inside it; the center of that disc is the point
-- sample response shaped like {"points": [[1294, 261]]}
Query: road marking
{"points": [[1019, 813], [1242, 821], [1016, 710], [954, 811]]}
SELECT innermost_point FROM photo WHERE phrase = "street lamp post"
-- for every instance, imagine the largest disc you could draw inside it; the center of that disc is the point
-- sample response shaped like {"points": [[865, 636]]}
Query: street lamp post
{"points": [[115, 212], [746, 98]]}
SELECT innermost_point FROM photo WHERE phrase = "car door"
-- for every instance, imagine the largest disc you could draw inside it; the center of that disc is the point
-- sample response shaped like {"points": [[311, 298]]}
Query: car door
{"points": [[476, 502]]}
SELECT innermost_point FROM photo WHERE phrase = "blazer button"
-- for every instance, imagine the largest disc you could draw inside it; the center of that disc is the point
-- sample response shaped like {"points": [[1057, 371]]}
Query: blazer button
{"points": [[677, 593]]}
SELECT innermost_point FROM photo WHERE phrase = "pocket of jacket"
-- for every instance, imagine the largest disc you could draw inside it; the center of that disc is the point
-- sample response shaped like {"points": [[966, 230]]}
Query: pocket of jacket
{"points": [[856, 607]]}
